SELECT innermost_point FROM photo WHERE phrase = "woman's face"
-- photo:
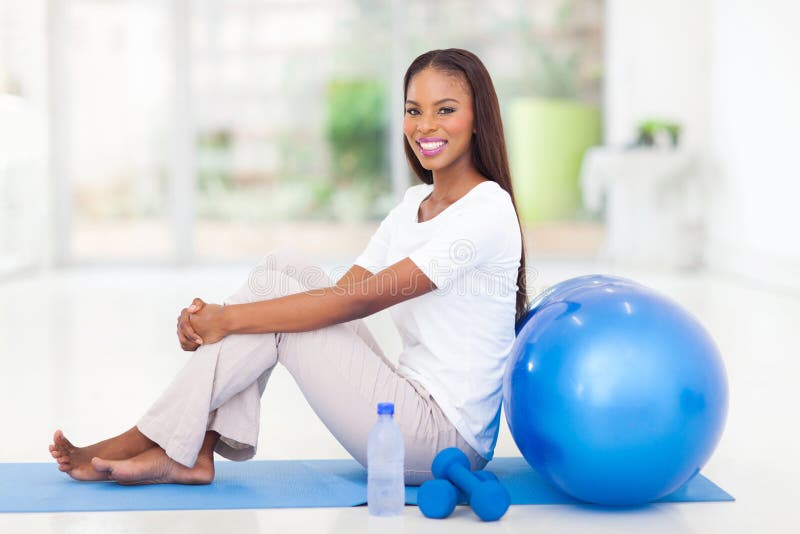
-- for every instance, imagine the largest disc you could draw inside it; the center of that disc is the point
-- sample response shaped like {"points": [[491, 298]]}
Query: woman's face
{"points": [[438, 120]]}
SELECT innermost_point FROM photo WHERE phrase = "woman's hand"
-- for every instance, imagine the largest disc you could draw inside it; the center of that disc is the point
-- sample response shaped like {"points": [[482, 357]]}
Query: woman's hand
{"points": [[206, 321], [189, 339]]}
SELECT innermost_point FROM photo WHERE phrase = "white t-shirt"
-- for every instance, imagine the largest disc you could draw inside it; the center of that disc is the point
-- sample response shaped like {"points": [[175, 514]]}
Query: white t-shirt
{"points": [[456, 339]]}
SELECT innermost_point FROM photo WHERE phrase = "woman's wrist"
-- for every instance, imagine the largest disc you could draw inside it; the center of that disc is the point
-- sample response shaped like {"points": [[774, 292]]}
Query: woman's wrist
{"points": [[229, 316]]}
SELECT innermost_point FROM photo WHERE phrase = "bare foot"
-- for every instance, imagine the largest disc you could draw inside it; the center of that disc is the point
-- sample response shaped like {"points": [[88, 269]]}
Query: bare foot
{"points": [[153, 466], [77, 461]]}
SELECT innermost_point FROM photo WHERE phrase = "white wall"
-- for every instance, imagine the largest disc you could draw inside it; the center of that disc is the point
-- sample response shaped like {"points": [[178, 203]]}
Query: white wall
{"points": [[729, 71], [656, 66], [755, 141], [24, 199]]}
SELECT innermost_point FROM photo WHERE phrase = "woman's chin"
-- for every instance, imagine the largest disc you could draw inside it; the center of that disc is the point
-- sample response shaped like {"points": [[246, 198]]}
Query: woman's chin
{"points": [[427, 164]]}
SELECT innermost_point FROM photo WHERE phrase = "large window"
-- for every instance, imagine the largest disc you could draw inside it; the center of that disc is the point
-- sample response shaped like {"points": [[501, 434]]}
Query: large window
{"points": [[23, 135], [216, 129], [117, 127]]}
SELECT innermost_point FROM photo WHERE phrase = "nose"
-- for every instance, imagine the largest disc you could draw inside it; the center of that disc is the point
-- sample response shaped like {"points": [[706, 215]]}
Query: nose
{"points": [[426, 124]]}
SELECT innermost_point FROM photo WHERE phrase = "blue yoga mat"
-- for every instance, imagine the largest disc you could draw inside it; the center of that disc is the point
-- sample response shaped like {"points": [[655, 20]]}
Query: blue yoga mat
{"points": [[40, 487]]}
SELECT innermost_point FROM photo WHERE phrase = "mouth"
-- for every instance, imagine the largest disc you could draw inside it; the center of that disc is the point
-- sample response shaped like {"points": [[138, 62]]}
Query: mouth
{"points": [[431, 146]]}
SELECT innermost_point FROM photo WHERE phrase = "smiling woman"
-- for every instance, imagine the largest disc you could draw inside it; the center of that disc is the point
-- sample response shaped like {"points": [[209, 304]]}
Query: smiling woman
{"points": [[452, 110], [439, 120], [448, 256]]}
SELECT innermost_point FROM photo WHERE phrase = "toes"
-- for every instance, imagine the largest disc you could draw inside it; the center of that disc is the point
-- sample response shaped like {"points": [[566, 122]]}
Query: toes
{"points": [[103, 466], [119, 471], [61, 441]]}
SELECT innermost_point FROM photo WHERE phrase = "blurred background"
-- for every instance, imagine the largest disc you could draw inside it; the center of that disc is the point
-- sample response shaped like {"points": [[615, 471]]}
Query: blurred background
{"points": [[207, 131], [649, 133], [152, 151]]}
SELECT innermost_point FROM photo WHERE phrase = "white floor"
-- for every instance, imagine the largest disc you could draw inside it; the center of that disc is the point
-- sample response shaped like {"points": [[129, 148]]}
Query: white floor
{"points": [[87, 350]]}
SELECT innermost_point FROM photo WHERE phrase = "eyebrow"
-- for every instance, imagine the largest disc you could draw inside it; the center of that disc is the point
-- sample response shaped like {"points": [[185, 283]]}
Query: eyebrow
{"points": [[435, 103]]}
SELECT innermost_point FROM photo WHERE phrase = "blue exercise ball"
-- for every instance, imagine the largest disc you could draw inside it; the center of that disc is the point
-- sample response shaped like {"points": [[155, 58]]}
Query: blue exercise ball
{"points": [[561, 289], [614, 393]]}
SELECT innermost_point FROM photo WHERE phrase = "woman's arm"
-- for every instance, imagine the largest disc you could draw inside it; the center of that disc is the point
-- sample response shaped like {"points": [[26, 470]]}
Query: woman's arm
{"points": [[356, 274], [189, 339], [358, 294]]}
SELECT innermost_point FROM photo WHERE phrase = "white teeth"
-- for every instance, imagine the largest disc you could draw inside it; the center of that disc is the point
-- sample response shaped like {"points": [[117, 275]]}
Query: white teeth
{"points": [[432, 146]]}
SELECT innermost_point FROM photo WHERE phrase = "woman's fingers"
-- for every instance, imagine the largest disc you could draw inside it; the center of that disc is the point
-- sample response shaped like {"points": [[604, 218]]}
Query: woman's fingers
{"points": [[186, 344], [186, 328], [197, 305], [193, 335]]}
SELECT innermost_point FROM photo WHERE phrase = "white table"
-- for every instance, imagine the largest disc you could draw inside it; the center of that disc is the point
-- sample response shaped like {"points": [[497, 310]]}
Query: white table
{"points": [[653, 205]]}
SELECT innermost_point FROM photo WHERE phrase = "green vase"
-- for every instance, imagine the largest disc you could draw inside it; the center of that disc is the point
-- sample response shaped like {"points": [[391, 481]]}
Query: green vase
{"points": [[547, 141]]}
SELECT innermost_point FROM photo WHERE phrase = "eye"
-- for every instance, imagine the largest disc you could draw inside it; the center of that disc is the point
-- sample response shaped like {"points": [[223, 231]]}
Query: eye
{"points": [[447, 111], [412, 111]]}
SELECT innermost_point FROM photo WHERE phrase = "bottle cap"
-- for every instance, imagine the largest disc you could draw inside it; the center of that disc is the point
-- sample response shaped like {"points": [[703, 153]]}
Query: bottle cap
{"points": [[385, 408]]}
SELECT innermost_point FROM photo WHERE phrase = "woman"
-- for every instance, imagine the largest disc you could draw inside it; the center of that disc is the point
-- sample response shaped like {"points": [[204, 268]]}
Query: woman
{"points": [[449, 262]]}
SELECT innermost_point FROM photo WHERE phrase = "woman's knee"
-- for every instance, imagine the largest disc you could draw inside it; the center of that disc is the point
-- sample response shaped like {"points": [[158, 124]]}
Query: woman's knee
{"points": [[264, 284], [418, 470], [296, 265], [276, 259]]}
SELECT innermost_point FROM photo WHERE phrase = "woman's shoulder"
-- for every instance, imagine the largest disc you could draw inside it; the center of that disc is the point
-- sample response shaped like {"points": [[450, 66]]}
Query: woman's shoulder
{"points": [[494, 190], [412, 196], [490, 198], [416, 191]]}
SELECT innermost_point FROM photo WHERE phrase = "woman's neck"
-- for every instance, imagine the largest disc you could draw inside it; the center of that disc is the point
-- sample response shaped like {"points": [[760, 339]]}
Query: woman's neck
{"points": [[451, 184]]}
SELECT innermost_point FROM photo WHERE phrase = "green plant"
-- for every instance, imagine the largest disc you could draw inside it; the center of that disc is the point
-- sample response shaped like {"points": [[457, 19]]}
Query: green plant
{"points": [[560, 58], [649, 131], [356, 130], [213, 155]]}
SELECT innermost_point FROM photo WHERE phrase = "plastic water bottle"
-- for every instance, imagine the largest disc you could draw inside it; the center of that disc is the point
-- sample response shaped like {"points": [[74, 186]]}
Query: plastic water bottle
{"points": [[385, 452]]}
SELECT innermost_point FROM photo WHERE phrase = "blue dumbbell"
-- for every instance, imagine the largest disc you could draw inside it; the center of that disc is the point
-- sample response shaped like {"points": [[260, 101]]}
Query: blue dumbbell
{"points": [[488, 498], [437, 498]]}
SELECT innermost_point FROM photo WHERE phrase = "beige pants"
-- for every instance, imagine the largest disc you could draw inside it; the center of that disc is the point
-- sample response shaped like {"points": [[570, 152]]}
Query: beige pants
{"points": [[340, 369]]}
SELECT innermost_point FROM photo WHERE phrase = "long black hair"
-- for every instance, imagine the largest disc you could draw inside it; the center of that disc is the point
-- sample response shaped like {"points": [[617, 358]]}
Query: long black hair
{"points": [[489, 153]]}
